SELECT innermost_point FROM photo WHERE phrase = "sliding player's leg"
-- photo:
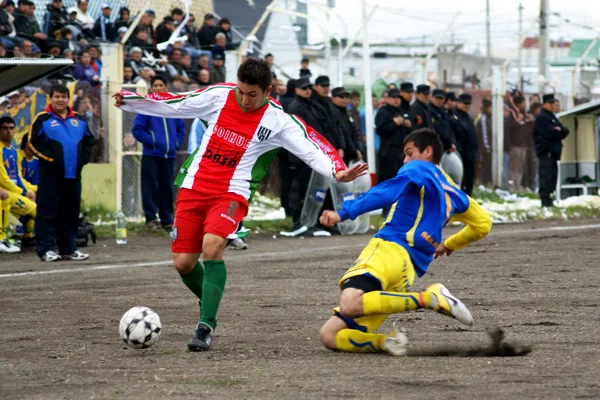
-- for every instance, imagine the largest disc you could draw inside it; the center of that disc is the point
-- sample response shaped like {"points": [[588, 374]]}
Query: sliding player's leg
{"points": [[389, 265]]}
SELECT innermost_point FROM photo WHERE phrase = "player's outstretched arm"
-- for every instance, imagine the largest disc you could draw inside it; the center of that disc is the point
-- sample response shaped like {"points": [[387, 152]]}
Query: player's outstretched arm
{"points": [[198, 104], [350, 174], [478, 224], [381, 196], [295, 137]]}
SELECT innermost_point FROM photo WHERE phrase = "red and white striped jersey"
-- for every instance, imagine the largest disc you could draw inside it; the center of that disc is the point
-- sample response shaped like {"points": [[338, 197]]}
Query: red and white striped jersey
{"points": [[238, 146]]}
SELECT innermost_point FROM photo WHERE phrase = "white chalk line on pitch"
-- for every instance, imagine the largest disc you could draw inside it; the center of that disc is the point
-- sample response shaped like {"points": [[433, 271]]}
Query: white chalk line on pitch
{"points": [[263, 255]]}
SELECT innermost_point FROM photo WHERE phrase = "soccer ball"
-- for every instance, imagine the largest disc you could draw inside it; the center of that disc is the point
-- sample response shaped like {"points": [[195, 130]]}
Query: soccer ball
{"points": [[140, 327]]}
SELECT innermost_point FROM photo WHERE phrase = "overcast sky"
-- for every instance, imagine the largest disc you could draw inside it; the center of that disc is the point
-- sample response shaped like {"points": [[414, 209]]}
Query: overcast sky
{"points": [[414, 19]]}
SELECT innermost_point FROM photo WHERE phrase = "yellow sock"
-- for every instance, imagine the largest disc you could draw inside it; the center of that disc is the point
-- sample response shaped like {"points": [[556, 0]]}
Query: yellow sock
{"points": [[385, 303], [354, 341], [29, 228], [5, 217]]}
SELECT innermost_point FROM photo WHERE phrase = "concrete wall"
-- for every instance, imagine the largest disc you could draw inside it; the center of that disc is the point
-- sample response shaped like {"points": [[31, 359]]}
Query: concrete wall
{"points": [[99, 185]]}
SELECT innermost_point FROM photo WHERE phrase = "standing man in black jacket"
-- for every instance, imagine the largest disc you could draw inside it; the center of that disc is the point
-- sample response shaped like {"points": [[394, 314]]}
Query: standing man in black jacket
{"points": [[440, 120], [548, 134], [419, 108], [324, 110], [407, 93], [392, 126], [295, 174], [62, 141], [468, 141], [339, 99]]}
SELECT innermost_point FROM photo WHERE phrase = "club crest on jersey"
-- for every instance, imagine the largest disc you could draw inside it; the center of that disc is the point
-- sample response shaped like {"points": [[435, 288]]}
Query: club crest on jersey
{"points": [[263, 133]]}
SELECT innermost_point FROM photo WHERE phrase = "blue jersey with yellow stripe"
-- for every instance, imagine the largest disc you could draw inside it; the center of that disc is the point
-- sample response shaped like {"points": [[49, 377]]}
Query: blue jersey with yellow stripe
{"points": [[30, 169], [11, 166], [423, 201]]}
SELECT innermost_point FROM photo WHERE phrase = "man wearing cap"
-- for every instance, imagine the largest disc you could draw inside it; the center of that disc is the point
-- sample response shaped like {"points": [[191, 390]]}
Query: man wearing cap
{"points": [[439, 120], [55, 19], [392, 126], [298, 173], [407, 94], [419, 108], [206, 34], [325, 109], [548, 134], [217, 72], [304, 71], [467, 137], [352, 138], [450, 106], [104, 29]]}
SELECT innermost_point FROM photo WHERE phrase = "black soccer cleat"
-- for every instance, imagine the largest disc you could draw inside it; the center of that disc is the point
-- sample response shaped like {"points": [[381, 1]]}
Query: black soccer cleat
{"points": [[202, 338]]}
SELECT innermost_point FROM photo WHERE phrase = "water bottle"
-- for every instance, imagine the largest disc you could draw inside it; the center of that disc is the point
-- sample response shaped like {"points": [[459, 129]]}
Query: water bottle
{"points": [[121, 228]]}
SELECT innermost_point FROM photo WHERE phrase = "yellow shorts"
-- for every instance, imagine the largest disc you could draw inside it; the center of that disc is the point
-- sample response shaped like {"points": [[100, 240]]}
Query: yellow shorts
{"points": [[386, 262]]}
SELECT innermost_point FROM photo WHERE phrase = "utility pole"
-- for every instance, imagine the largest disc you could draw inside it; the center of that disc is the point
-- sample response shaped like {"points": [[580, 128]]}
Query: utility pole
{"points": [[520, 65], [543, 44], [369, 118], [488, 53]]}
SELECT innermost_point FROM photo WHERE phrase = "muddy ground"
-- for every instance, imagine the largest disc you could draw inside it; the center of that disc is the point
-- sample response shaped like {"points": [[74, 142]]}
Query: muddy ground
{"points": [[537, 281]]}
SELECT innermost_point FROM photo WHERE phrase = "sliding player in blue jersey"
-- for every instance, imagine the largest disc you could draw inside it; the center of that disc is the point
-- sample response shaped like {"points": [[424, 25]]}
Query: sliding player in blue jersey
{"points": [[423, 200]]}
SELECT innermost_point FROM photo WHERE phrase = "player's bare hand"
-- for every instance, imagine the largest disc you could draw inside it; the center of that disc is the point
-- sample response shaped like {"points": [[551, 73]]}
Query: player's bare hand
{"points": [[118, 99], [441, 250], [330, 218], [30, 195], [350, 174]]}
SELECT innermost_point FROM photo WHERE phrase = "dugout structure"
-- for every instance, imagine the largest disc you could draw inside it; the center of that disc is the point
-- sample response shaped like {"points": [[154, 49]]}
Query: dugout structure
{"points": [[578, 168]]}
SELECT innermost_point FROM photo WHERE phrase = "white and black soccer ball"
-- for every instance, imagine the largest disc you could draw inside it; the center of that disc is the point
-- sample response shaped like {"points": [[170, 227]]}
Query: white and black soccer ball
{"points": [[140, 327]]}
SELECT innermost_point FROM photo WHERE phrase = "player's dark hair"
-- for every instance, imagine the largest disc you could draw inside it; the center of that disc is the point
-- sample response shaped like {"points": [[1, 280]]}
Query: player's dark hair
{"points": [[6, 120], [255, 72], [423, 138], [59, 89], [158, 78]]}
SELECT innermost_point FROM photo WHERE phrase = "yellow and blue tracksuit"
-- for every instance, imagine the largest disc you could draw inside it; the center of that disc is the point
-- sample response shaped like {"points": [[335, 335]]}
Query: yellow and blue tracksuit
{"points": [[30, 169], [12, 181], [423, 200], [63, 146]]}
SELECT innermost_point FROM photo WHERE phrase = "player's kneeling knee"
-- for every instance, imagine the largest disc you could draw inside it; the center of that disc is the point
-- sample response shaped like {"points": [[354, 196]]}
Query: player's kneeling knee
{"points": [[351, 305], [328, 338]]}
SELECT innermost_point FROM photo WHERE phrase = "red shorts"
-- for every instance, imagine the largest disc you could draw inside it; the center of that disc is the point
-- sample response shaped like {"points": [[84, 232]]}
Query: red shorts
{"points": [[196, 215]]}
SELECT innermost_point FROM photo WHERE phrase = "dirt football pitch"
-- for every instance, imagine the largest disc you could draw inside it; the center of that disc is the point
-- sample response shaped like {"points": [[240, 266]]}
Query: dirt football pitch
{"points": [[538, 282]]}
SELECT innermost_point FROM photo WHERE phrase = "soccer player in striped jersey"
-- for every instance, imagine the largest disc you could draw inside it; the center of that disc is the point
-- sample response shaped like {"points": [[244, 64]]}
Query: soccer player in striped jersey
{"points": [[423, 199], [244, 131]]}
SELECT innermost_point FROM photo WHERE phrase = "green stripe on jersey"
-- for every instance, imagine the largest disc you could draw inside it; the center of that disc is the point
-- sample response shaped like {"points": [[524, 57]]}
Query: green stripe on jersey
{"points": [[275, 105], [183, 171], [189, 96], [259, 170]]}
